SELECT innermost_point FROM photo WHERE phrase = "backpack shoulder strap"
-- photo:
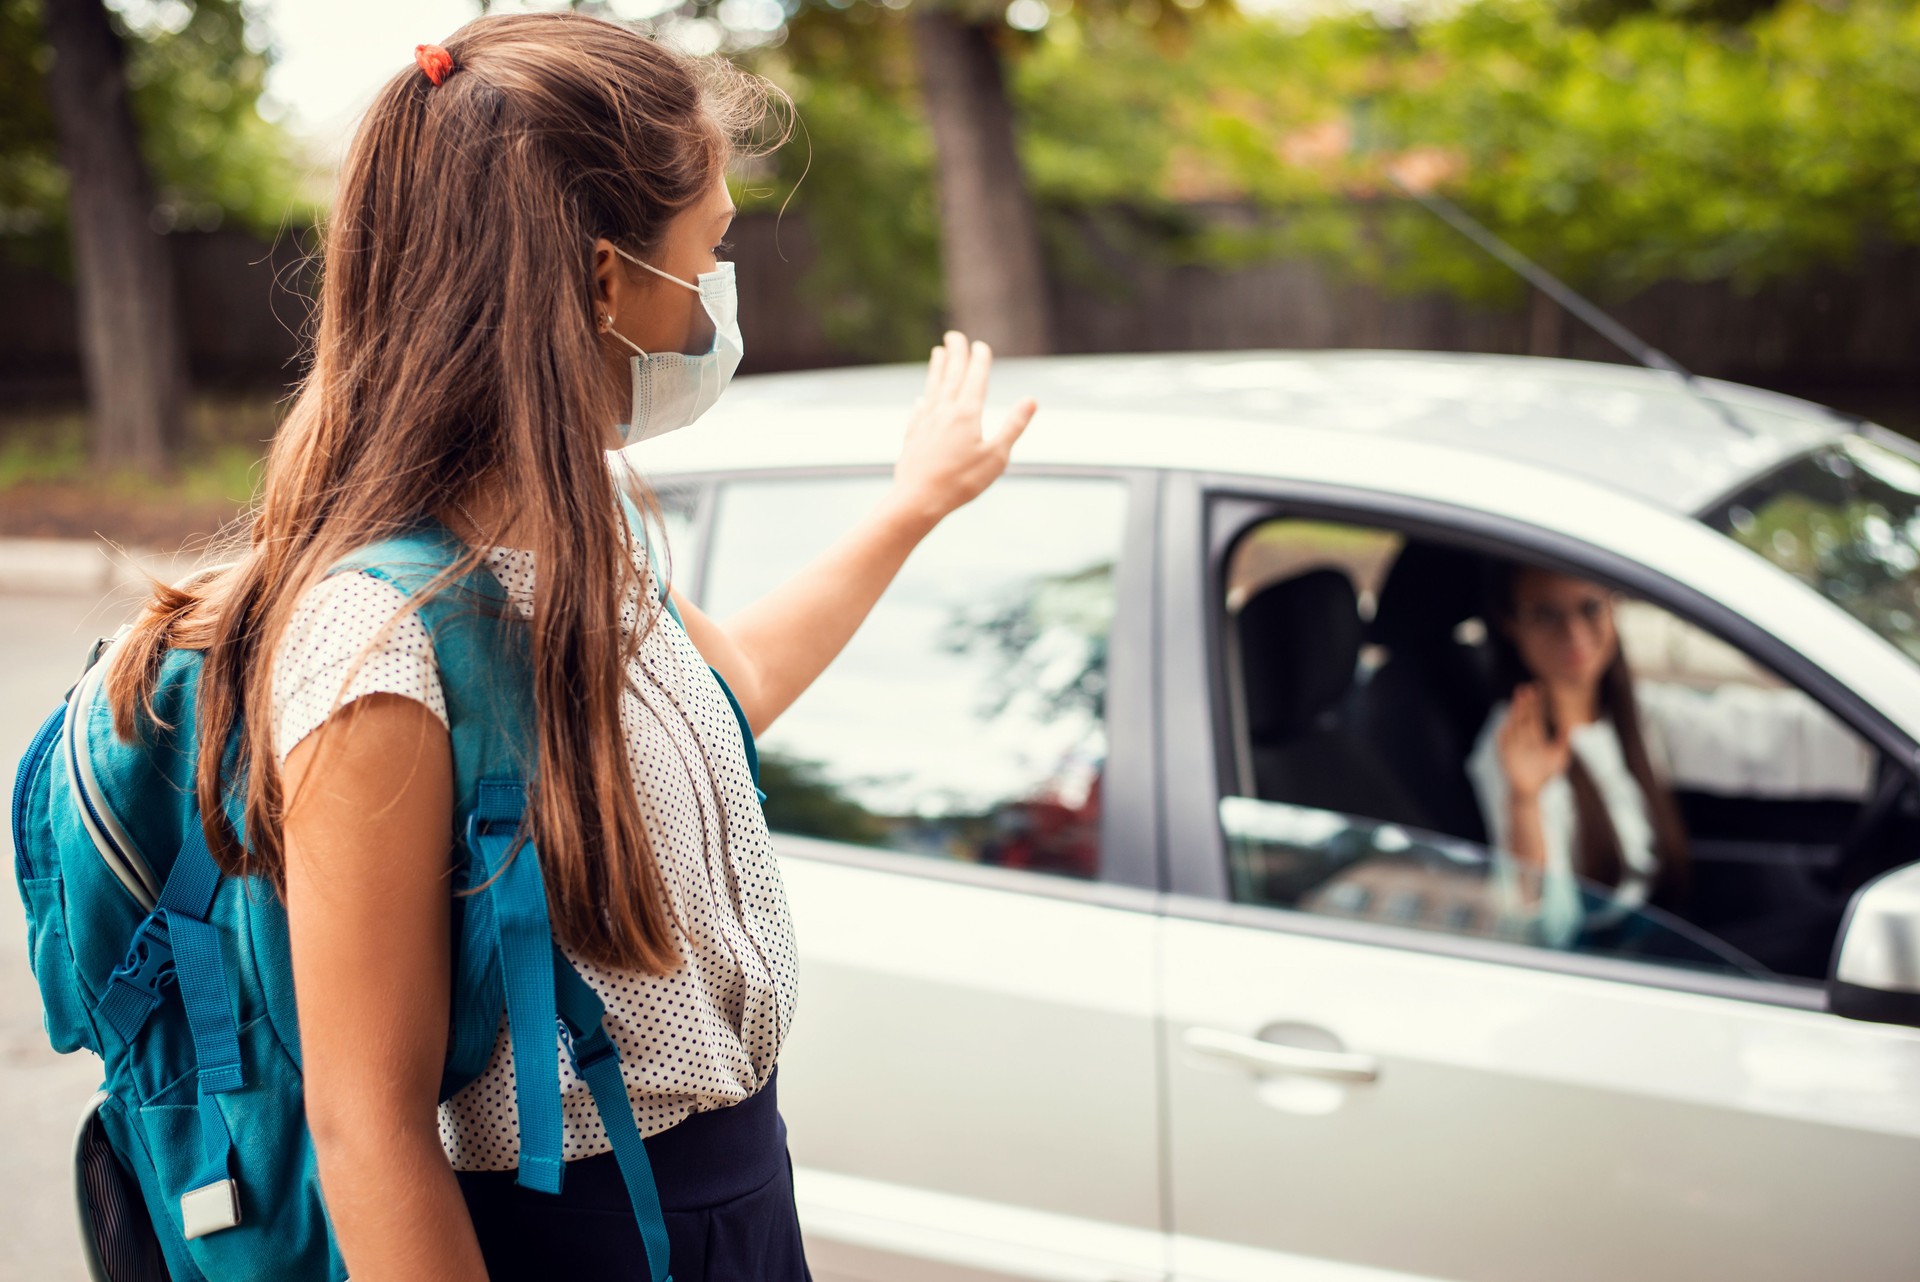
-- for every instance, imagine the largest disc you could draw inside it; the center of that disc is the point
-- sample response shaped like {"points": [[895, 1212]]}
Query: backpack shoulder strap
{"points": [[596, 1061], [415, 560], [481, 653], [177, 945], [478, 645]]}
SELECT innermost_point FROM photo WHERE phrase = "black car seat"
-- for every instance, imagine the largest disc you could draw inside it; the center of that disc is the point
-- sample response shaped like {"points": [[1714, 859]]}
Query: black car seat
{"points": [[1425, 704], [1299, 644]]}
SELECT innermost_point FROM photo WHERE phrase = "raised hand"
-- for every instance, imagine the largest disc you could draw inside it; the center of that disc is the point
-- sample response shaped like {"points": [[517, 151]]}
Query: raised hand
{"points": [[1531, 756], [946, 460]]}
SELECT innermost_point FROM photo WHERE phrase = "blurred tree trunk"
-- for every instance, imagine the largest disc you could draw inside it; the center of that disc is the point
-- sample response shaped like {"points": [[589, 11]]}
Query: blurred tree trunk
{"points": [[130, 340], [996, 289]]}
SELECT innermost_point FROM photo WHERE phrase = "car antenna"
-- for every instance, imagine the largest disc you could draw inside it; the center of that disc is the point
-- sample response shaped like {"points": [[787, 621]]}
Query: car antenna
{"points": [[1565, 295]]}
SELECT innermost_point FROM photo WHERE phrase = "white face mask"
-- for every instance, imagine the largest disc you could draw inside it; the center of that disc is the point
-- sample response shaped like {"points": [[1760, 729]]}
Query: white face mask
{"points": [[671, 389]]}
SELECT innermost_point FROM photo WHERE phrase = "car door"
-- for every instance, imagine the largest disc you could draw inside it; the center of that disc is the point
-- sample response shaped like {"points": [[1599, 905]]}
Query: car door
{"points": [[1366, 1081], [963, 808]]}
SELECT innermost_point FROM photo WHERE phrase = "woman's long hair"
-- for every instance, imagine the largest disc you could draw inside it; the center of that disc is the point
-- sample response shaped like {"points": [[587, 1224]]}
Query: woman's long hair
{"points": [[1597, 853], [454, 346]]}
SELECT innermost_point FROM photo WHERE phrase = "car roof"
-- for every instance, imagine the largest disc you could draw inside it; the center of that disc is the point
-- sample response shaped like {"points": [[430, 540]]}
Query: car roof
{"points": [[1629, 429]]}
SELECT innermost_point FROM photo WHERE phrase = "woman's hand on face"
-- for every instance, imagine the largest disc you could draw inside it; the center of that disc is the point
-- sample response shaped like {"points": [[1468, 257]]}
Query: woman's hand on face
{"points": [[946, 460], [1530, 757]]}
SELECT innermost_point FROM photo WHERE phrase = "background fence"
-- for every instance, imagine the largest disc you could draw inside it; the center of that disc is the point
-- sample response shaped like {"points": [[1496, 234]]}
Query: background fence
{"points": [[1839, 335]]}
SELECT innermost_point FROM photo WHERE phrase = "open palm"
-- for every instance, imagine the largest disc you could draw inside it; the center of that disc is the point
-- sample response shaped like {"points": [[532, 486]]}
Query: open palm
{"points": [[946, 460], [1531, 755]]}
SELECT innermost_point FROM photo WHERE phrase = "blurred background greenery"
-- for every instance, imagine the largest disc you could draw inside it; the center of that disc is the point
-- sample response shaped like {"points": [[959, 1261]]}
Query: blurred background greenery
{"points": [[1740, 176], [1622, 143]]}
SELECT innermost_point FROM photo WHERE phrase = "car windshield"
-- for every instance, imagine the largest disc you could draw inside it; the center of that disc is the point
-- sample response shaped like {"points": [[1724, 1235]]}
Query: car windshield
{"points": [[1846, 520]]}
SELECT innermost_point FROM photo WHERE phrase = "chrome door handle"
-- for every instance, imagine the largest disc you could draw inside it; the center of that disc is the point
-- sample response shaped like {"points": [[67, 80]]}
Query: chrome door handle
{"points": [[1271, 1057]]}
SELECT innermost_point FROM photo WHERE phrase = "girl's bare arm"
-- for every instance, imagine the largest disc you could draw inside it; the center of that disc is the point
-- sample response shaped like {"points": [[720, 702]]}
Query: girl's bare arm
{"points": [[368, 833]]}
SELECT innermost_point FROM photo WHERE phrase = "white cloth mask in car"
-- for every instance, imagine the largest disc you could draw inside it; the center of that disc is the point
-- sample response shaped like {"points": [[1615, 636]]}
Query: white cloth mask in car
{"points": [[671, 389]]}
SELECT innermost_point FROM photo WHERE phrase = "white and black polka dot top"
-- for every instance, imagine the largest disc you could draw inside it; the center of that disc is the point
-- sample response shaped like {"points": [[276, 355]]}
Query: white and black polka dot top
{"points": [[708, 1034]]}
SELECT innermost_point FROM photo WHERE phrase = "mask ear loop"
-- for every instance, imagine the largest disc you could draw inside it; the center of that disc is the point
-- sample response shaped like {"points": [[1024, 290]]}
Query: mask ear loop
{"points": [[606, 322], [606, 327], [655, 270]]}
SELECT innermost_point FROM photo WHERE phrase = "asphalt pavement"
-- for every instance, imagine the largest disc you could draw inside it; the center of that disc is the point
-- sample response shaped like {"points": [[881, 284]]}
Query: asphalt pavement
{"points": [[43, 640]]}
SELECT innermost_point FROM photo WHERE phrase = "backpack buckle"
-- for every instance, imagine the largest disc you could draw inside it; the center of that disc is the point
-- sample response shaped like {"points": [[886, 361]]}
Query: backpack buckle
{"points": [[149, 962], [588, 1048], [134, 987]]}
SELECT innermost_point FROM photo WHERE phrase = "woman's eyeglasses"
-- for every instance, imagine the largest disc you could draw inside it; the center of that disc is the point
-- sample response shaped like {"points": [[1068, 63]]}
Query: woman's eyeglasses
{"points": [[1552, 618]]}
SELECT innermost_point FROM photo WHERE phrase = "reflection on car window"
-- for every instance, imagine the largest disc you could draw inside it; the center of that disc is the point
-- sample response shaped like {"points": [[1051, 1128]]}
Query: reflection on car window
{"points": [[1846, 520], [965, 720], [1343, 866], [1700, 811]]}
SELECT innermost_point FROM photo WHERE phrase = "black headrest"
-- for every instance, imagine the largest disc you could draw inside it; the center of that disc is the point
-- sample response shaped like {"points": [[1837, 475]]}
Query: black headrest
{"points": [[1429, 592], [1299, 642]]}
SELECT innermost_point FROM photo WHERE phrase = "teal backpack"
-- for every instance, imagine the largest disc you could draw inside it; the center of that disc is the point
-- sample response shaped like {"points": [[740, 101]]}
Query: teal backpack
{"points": [[179, 978]]}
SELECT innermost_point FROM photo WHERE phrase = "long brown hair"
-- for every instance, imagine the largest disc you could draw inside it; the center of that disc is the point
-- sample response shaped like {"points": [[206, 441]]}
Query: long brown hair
{"points": [[454, 346], [1597, 852]]}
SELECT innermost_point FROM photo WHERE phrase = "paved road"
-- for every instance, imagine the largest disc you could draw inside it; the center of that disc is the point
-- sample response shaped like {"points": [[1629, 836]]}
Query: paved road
{"points": [[42, 640]]}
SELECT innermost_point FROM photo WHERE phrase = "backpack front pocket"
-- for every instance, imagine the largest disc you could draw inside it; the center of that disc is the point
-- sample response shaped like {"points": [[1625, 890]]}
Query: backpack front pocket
{"points": [[282, 1229]]}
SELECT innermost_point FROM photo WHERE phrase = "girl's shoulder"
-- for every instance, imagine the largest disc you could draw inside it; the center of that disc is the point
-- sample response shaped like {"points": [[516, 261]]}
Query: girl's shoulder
{"points": [[341, 608], [350, 635]]}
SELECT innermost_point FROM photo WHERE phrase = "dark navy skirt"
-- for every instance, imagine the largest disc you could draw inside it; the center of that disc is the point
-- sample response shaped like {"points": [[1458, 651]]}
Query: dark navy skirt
{"points": [[726, 1186]]}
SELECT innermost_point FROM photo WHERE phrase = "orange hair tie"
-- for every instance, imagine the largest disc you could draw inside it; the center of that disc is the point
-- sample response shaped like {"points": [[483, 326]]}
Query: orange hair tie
{"points": [[435, 61]]}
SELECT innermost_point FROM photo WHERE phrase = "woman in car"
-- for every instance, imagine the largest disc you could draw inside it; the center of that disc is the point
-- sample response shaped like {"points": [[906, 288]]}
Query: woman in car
{"points": [[1563, 770]]}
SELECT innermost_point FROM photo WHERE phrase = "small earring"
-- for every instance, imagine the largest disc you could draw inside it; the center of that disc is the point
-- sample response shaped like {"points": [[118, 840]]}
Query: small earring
{"points": [[606, 321]]}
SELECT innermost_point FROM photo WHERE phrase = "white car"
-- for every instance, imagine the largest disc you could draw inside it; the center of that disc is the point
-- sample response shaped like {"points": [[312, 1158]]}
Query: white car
{"points": [[1141, 943]]}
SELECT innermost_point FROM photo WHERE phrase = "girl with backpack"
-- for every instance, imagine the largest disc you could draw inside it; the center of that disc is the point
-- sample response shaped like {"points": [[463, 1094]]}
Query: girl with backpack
{"points": [[521, 274]]}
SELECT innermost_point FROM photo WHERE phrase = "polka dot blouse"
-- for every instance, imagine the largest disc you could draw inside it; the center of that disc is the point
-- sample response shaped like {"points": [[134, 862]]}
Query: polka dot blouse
{"points": [[703, 1037]]}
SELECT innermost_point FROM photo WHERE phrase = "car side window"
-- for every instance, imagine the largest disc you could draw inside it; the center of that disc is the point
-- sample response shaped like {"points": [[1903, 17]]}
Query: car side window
{"points": [[1700, 812], [965, 720]]}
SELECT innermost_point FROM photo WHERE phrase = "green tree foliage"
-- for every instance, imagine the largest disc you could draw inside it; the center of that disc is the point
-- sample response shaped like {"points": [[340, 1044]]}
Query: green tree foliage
{"points": [[195, 73], [31, 182], [1656, 147], [861, 167], [852, 68], [1649, 147], [1620, 144]]}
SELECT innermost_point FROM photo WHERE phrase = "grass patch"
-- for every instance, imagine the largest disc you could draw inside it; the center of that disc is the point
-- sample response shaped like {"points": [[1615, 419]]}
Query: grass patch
{"points": [[44, 451], [226, 439], [49, 486]]}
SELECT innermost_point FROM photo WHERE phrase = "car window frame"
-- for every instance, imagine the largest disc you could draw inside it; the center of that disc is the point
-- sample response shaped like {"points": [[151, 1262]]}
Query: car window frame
{"points": [[1204, 513], [1131, 862]]}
